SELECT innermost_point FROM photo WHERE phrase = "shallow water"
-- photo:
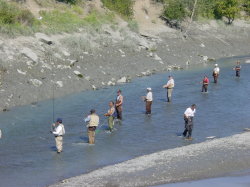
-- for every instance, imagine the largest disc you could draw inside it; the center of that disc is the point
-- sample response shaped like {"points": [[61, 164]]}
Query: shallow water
{"points": [[28, 157]]}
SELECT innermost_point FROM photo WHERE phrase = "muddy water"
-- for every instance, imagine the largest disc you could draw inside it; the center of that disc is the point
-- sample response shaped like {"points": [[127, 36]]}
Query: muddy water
{"points": [[28, 157]]}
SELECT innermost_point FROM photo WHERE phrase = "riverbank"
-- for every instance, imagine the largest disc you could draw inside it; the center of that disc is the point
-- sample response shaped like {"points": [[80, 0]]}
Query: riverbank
{"points": [[204, 160], [32, 67]]}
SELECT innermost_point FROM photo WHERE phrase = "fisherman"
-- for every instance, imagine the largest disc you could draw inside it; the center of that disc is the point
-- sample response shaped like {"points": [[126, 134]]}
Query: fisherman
{"points": [[188, 118], [111, 115], [169, 86], [118, 104], [216, 73], [148, 100], [205, 83], [92, 123], [58, 130], [237, 69]]}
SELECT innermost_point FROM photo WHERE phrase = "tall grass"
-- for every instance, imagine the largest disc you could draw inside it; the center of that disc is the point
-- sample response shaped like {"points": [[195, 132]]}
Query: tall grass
{"points": [[122, 7]]}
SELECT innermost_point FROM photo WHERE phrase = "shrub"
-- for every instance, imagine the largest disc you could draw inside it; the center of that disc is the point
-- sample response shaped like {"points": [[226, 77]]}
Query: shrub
{"points": [[12, 14], [174, 10], [122, 7], [228, 9]]}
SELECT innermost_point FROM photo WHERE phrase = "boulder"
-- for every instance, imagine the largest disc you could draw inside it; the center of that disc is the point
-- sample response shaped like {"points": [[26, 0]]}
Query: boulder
{"points": [[43, 38], [78, 74], [30, 54], [59, 84], [21, 72], [36, 82], [122, 80]]}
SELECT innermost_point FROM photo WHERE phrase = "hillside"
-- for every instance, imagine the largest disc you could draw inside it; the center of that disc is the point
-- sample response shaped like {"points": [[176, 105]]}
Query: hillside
{"points": [[70, 48]]}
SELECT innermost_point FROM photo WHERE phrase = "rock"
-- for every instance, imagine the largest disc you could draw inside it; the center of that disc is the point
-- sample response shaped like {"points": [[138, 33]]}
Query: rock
{"points": [[87, 78], [122, 52], [93, 87], [43, 38], [156, 57], [30, 63], [104, 73], [161, 62], [187, 63], [113, 79], [86, 52], [151, 54], [36, 82], [123, 56], [21, 72], [122, 80], [78, 74], [110, 83], [103, 84], [72, 62], [65, 53], [205, 58], [59, 84], [143, 43], [47, 66], [63, 67], [30, 54], [58, 55], [202, 45]]}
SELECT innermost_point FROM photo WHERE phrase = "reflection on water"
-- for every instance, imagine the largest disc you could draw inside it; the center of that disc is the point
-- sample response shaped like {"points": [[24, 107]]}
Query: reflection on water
{"points": [[28, 157]]}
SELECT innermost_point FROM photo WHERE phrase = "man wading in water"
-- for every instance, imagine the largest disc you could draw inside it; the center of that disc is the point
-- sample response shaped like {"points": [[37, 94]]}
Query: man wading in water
{"points": [[111, 115], [169, 86], [92, 122], [148, 100], [188, 118], [205, 83], [118, 104], [58, 130], [237, 69], [216, 73]]}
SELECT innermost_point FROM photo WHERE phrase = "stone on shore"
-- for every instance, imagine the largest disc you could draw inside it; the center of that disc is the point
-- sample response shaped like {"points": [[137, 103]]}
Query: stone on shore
{"points": [[30, 54], [122, 80], [43, 38], [36, 82]]}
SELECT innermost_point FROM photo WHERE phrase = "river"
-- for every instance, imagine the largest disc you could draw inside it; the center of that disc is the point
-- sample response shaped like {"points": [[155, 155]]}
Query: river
{"points": [[28, 157]]}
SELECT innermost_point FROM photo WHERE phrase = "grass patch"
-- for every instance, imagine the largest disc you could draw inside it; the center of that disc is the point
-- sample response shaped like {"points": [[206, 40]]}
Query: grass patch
{"points": [[122, 7], [133, 25]]}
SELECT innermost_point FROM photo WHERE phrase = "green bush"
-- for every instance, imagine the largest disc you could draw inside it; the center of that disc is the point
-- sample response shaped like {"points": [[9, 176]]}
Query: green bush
{"points": [[246, 5], [10, 13], [228, 9], [174, 10], [122, 7]]}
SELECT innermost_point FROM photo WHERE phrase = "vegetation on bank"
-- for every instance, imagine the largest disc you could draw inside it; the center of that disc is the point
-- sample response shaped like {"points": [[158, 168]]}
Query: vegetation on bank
{"points": [[210, 9], [67, 16]]}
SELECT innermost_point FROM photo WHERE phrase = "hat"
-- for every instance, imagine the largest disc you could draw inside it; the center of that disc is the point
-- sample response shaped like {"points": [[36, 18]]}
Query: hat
{"points": [[92, 111], [149, 89], [215, 65], [59, 120]]}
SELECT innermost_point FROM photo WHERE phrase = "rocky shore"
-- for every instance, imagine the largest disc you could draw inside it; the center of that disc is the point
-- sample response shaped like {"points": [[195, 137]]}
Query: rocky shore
{"points": [[32, 67]]}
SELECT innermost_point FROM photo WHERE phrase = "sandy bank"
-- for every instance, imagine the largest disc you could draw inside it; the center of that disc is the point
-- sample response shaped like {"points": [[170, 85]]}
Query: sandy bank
{"points": [[192, 162]]}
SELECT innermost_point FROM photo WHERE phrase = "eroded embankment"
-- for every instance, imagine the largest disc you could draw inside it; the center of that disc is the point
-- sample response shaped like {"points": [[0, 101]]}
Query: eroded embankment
{"points": [[197, 161], [32, 67]]}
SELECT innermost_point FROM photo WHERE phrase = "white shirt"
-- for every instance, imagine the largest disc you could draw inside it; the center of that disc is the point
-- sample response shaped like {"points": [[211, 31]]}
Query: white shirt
{"points": [[59, 130], [149, 96], [216, 70], [189, 112], [170, 83]]}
